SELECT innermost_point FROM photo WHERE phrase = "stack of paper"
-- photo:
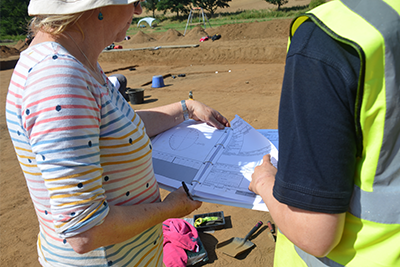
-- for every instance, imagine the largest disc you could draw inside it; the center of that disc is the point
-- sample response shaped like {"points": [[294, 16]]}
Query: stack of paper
{"points": [[215, 164]]}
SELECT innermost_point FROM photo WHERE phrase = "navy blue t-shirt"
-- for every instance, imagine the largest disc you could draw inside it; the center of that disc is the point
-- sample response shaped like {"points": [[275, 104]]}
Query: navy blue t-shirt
{"points": [[317, 139]]}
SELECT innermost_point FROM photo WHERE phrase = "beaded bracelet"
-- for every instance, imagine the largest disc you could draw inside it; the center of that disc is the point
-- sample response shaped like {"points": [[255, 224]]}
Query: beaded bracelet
{"points": [[185, 110]]}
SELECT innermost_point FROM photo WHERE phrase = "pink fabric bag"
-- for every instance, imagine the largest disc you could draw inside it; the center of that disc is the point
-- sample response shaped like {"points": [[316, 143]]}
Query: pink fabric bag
{"points": [[179, 236]]}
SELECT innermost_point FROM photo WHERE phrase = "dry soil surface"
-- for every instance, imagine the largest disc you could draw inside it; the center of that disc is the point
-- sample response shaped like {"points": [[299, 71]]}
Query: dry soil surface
{"points": [[241, 73]]}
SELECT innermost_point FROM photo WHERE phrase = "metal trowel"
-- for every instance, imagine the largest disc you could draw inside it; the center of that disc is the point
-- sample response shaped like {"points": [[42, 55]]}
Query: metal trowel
{"points": [[237, 245]]}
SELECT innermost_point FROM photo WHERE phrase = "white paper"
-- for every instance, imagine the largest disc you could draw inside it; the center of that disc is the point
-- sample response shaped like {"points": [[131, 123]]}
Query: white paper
{"points": [[216, 164]]}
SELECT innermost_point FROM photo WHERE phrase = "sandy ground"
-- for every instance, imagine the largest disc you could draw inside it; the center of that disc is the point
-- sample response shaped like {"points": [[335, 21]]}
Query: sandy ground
{"points": [[241, 73]]}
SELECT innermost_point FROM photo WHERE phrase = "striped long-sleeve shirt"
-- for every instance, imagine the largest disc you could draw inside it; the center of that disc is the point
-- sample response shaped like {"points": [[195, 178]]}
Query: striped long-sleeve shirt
{"points": [[81, 148]]}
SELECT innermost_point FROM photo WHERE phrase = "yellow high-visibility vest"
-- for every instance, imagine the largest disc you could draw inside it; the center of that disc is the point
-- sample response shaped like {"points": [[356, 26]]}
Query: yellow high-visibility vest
{"points": [[371, 235]]}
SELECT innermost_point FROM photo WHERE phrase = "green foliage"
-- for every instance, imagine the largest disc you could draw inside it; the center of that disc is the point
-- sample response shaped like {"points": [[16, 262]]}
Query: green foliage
{"points": [[278, 3], [150, 5], [315, 3], [14, 17], [265, 14], [211, 5], [167, 21], [175, 6], [246, 16]]}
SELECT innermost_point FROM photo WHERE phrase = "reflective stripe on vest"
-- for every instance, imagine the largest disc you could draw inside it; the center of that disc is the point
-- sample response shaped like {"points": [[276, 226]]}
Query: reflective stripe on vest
{"points": [[287, 254], [372, 232], [379, 88], [316, 262], [381, 205]]}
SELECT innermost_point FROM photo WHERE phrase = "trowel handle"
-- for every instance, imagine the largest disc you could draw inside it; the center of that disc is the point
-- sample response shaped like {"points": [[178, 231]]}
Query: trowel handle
{"points": [[252, 231]]}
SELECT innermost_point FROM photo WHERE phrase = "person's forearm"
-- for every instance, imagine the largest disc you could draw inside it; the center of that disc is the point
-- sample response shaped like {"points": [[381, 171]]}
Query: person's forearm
{"points": [[315, 233], [124, 222], [161, 118]]}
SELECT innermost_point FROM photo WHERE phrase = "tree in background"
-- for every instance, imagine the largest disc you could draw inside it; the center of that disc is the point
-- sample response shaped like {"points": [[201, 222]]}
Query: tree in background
{"points": [[174, 6], [14, 17], [211, 5], [315, 3], [150, 5], [278, 3]]}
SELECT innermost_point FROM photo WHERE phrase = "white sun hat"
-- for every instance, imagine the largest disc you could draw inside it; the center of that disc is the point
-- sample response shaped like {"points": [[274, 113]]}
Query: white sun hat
{"points": [[62, 7]]}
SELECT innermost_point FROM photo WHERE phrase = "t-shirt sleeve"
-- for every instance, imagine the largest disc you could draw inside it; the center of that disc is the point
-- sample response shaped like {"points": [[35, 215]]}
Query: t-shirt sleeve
{"points": [[317, 137], [61, 114]]}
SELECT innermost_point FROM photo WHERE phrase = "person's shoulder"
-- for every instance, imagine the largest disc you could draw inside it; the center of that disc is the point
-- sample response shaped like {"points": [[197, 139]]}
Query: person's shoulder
{"points": [[306, 29], [50, 58], [49, 65], [310, 39], [313, 42]]}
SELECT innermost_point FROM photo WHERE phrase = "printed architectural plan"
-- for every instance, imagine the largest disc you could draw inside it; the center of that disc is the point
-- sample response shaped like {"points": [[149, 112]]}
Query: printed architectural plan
{"points": [[215, 164]]}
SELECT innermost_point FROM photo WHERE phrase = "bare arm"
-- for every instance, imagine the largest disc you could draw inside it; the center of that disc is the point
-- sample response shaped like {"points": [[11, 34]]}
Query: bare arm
{"points": [[314, 232], [124, 222], [162, 118]]}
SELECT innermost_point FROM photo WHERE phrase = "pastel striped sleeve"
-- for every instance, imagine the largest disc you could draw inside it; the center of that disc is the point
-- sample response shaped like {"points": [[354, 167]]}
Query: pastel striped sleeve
{"points": [[61, 114]]}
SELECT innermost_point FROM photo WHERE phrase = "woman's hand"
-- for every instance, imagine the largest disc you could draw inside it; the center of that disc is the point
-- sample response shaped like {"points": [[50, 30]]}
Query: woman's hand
{"points": [[263, 177], [201, 112], [159, 119], [180, 203]]}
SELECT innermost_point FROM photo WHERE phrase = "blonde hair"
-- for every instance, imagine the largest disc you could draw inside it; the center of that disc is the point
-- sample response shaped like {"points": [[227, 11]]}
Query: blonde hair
{"points": [[53, 24]]}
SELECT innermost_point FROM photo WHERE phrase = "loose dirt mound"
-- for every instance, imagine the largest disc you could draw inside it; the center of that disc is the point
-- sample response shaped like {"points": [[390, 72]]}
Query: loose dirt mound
{"points": [[140, 38], [171, 35], [257, 30], [6, 51], [258, 42], [195, 34], [21, 45]]}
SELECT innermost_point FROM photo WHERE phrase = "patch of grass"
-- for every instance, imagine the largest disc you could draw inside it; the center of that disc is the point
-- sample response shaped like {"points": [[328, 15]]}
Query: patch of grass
{"points": [[240, 16], [11, 40], [179, 23], [315, 3]]}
